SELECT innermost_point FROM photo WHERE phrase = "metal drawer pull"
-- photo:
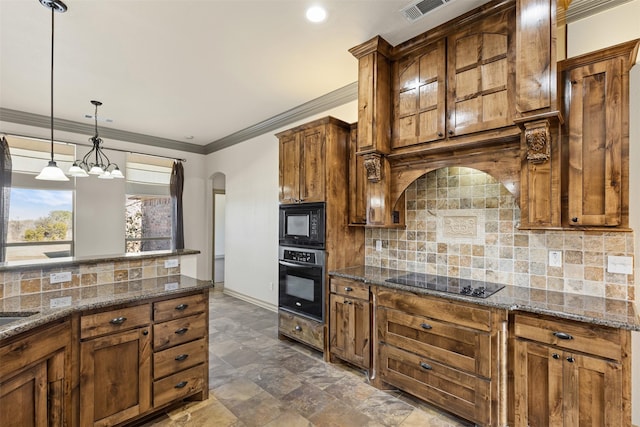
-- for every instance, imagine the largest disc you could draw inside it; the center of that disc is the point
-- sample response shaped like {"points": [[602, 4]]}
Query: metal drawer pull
{"points": [[181, 384], [348, 289], [570, 359], [348, 302], [425, 326], [562, 335], [297, 328], [182, 331], [425, 366], [182, 307], [118, 320], [555, 356], [181, 357]]}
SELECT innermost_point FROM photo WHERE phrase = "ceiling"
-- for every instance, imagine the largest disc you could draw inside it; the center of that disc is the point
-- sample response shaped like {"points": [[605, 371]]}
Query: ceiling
{"points": [[189, 73]]}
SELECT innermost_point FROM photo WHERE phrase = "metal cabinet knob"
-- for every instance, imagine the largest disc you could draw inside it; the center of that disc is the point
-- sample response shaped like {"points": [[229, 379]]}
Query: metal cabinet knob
{"points": [[348, 289], [297, 328], [570, 359], [181, 384], [426, 366], [182, 307], [426, 326], [118, 320], [181, 357], [182, 331], [555, 356]]}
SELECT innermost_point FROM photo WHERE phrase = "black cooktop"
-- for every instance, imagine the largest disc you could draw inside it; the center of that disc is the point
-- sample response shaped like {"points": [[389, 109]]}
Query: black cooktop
{"points": [[474, 288]]}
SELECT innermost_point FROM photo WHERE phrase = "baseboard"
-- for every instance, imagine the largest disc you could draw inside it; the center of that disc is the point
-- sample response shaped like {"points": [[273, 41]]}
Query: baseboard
{"points": [[254, 301]]}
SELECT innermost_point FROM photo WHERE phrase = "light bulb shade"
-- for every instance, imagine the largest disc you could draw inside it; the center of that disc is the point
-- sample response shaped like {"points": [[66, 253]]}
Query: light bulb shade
{"points": [[116, 173], [96, 170], [52, 172], [105, 175], [77, 171]]}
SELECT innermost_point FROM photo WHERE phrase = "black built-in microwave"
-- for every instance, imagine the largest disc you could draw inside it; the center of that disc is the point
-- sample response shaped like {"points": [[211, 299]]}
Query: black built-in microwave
{"points": [[302, 225]]}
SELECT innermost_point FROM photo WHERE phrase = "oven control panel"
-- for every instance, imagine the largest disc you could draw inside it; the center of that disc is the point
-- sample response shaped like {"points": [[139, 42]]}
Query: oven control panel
{"points": [[299, 256]]}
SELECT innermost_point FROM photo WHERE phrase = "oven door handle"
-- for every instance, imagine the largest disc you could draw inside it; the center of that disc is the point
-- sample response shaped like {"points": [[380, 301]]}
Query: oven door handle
{"points": [[290, 264]]}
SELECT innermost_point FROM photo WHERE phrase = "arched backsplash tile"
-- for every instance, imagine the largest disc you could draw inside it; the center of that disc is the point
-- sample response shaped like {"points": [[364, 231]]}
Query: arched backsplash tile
{"points": [[463, 223]]}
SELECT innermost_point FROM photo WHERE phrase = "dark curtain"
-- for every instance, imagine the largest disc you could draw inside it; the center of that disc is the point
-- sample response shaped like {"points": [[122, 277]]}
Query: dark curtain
{"points": [[5, 171], [176, 186]]}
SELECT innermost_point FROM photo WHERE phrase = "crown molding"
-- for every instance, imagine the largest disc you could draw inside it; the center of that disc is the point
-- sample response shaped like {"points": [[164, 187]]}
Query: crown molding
{"points": [[318, 105], [37, 120], [323, 103]]}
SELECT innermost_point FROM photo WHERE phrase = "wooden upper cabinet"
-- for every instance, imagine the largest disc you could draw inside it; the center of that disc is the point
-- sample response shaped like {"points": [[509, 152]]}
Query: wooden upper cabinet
{"points": [[596, 95], [419, 97], [480, 72], [302, 164], [357, 182], [374, 95]]}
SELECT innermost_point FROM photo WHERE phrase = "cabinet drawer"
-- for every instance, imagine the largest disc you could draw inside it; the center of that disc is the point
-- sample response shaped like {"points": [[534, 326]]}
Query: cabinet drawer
{"points": [[301, 329], [179, 385], [471, 316], [459, 347], [179, 331], [114, 320], [178, 307], [463, 394], [178, 358], [592, 339], [349, 288]]}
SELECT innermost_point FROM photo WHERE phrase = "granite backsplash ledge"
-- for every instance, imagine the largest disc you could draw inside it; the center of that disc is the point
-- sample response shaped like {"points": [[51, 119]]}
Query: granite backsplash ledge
{"points": [[30, 287], [463, 223]]}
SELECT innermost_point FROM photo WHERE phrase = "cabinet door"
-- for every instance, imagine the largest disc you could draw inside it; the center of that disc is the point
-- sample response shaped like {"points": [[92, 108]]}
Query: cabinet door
{"points": [[115, 377], [419, 97], [595, 144], [357, 184], [23, 398], [289, 169], [537, 385], [360, 332], [313, 165], [481, 75], [592, 391], [338, 325]]}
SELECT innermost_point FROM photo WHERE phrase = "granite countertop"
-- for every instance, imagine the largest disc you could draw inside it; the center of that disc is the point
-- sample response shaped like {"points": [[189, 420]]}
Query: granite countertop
{"points": [[138, 290], [596, 310], [70, 261]]}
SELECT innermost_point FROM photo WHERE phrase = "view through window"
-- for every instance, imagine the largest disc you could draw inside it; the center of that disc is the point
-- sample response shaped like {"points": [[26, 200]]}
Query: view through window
{"points": [[40, 224], [148, 206]]}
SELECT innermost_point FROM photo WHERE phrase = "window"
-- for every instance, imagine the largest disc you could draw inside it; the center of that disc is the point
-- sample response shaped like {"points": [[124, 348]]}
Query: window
{"points": [[40, 212], [148, 208]]}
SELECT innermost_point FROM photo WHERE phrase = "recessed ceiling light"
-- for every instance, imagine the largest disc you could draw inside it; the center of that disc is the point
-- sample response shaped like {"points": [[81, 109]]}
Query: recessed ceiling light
{"points": [[316, 14]]}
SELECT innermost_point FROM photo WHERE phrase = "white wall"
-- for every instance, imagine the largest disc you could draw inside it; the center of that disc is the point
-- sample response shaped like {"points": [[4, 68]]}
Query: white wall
{"points": [[99, 214], [251, 235], [605, 29]]}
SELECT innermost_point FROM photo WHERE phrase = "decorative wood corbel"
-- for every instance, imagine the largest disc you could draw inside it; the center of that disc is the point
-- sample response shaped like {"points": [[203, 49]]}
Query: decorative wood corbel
{"points": [[538, 138], [373, 166]]}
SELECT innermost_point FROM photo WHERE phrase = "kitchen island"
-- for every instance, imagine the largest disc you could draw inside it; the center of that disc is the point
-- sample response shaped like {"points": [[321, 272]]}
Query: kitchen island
{"points": [[521, 356], [98, 352]]}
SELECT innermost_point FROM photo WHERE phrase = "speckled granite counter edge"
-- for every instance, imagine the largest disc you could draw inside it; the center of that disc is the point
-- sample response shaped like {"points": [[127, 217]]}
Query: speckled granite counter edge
{"points": [[72, 261], [185, 284], [497, 301]]}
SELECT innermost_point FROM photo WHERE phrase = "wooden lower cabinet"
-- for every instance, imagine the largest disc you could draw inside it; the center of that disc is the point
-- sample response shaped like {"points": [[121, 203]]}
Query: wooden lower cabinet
{"points": [[350, 322], [449, 353], [569, 374], [307, 331], [34, 380]]}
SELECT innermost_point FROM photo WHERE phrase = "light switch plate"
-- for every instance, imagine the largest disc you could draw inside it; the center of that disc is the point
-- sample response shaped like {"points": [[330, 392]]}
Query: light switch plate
{"points": [[555, 258], [378, 245], [60, 277], [170, 263], [620, 264]]}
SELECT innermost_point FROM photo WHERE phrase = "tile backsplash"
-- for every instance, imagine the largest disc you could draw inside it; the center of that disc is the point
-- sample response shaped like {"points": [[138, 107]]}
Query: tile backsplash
{"points": [[463, 223], [31, 288]]}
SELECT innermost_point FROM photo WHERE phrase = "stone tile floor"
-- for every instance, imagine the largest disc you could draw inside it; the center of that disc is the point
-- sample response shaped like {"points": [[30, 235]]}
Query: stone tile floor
{"points": [[257, 380]]}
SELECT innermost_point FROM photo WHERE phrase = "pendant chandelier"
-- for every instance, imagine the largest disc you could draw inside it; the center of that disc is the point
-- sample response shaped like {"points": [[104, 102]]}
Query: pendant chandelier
{"points": [[95, 162], [52, 172]]}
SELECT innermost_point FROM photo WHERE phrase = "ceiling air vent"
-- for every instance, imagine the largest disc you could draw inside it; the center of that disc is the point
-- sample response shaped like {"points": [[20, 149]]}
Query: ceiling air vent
{"points": [[417, 9]]}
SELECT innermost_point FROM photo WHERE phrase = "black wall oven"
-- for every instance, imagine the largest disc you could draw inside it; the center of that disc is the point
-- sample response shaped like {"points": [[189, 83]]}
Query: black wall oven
{"points": [[302, 225], [301, 281]]}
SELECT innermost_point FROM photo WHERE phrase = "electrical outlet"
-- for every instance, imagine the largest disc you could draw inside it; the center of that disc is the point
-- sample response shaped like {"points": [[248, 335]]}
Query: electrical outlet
{"points": [[555, 258], [379, 245], [620, 264], [171, 263], [60, 277], [171, 286], [60, 302]]}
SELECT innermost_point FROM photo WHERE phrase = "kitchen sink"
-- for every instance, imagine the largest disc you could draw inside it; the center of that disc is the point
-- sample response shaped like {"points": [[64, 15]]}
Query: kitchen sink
{"points": [[6, 319]]}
